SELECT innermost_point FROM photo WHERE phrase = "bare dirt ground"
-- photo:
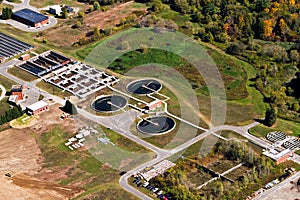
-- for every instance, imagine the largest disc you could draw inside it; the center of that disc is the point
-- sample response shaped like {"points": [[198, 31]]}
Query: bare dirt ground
{"points": [[111, 17], [47, 120], [20, 155]]}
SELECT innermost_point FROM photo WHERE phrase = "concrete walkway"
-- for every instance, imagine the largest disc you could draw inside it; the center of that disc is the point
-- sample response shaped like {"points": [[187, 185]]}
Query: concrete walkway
{"points": [[3, 92]]}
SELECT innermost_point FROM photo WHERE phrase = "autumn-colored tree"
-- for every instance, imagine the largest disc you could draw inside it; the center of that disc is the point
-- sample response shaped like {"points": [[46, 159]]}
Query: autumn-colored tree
{"points": [[268, 28]]}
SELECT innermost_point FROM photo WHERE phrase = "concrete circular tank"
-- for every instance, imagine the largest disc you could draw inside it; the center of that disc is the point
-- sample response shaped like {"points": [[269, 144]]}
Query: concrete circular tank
{"points": [[156, 125], [143, 86], [109, 103]]}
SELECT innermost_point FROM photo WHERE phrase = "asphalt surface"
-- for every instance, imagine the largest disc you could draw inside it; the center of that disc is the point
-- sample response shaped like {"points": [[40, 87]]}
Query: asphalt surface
{"points": [[33, 92]]}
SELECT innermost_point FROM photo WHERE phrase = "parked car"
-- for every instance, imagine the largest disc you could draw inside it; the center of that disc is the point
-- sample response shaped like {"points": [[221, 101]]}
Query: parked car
{"points": [[159, 192], [155, 190], [139, 184], [151, 188], [135, 180], [145, 184]]}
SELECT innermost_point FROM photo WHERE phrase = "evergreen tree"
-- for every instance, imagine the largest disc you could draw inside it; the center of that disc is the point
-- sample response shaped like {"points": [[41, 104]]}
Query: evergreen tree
{"points": [[64, 12], [271, 116], [70, 108], [6, 13]]}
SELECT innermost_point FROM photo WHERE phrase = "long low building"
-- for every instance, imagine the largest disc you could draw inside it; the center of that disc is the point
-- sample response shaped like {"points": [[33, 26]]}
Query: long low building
{"points": [[279, 156], [37, 108], [10, 47], [30, 17]]}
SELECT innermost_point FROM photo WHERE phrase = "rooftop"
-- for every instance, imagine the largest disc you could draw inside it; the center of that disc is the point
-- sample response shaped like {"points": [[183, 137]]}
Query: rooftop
{"points": [[16, 88], [276, 154], [37, 105], [31, 15]]}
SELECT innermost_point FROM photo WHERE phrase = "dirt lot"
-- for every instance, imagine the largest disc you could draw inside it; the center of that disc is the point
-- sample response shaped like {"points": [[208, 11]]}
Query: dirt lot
{"points": [[112, 16], [21, 156], [57, 35]]}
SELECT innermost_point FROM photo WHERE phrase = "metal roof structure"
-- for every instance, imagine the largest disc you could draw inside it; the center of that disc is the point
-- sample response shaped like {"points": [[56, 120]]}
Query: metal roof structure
{"points": [[38, 105], [10, 47], [31, 15]]}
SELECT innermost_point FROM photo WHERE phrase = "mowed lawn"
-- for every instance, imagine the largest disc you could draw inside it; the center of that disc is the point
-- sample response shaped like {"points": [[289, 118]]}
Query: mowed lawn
{"points": [[21, 74], [288, 127]]}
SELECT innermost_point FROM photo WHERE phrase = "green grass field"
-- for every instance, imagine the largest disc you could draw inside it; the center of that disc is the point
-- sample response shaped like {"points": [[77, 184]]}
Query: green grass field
{"points": [[122, 142], [288, 127], [4, 106], [99, 180], [7, 83], [21, 74]]}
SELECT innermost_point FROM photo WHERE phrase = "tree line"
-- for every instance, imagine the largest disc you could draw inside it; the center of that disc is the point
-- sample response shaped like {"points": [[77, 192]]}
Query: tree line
{"points": [[6, 13], [11, 114]]}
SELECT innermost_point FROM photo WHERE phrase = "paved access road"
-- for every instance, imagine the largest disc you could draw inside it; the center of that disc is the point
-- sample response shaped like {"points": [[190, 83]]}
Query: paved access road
{"points": [[124, 179], [121, 124], [286, 190], [33, 92]]}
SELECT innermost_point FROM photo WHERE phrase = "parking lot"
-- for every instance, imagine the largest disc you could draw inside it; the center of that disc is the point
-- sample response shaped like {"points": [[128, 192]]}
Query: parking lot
{"points": [[151, 188]]}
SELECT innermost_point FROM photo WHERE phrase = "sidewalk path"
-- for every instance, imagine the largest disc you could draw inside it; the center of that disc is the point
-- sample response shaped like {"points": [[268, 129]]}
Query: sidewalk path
{"points": [[3, 92]]}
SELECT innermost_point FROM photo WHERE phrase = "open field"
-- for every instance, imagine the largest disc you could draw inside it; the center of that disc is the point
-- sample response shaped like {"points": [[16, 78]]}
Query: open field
{"points": [[21, 74], [44, 3], [122, 142], [52, 170], [113, 16], [79, 168], [7, 83], [102, 20], [288, 127]]}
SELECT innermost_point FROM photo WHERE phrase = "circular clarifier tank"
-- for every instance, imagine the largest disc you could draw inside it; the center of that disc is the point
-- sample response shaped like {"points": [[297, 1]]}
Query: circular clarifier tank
{"points": [[110, 103], [156, 125], [144, 86]]}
